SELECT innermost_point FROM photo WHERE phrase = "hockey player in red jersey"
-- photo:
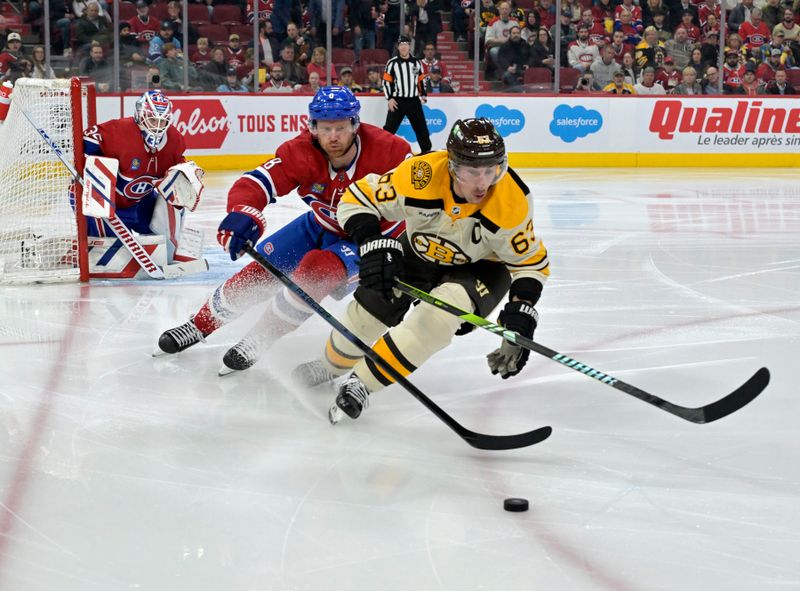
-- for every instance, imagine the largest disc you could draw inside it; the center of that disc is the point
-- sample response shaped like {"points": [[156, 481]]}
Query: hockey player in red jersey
{"points": [[146, 199], [319, 164]]}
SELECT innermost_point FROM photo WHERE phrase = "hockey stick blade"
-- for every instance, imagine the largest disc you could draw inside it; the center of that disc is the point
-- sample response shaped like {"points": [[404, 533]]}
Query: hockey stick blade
{"points": [[476, 440], [714, 411]]}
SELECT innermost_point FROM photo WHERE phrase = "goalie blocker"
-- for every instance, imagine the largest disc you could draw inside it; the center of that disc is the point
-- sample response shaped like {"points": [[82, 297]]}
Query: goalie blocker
{"points": [[176, 250]]}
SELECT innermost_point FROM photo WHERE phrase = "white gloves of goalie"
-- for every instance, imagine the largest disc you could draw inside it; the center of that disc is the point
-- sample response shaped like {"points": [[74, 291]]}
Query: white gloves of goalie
{"points": [[182, 185]]}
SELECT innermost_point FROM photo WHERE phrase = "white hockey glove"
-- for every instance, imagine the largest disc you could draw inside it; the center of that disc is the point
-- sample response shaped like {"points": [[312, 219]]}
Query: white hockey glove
{"points": [[182, 185]]}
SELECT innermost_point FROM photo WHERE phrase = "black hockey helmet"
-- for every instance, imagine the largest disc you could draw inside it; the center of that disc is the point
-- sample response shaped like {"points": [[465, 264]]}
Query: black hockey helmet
{"points": [[476, 143]]}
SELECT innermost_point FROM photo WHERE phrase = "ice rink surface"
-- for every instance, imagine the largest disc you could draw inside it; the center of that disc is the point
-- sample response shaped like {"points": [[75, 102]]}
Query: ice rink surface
{"points": [[123, 472]]}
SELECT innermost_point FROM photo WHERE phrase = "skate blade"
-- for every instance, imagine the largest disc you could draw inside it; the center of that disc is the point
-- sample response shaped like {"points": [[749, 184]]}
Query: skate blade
{"points": [[335, 414], [226, 371], [158, 352]]}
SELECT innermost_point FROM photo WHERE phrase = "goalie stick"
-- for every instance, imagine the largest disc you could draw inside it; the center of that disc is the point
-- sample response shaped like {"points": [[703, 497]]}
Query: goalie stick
{"points": [[477, 440], [120, 229], [703, 414]]}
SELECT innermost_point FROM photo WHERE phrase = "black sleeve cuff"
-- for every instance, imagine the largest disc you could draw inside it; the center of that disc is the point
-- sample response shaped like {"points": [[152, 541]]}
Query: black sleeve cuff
{"points": [[526, 288], [363, 227]]}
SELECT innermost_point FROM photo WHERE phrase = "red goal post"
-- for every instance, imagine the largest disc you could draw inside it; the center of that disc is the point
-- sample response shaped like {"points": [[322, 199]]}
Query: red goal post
{"points": [[42, 232]]}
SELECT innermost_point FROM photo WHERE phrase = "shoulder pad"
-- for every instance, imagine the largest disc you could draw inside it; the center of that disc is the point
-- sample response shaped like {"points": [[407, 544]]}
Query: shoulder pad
{"points": [[423, 177], [510, 204]]}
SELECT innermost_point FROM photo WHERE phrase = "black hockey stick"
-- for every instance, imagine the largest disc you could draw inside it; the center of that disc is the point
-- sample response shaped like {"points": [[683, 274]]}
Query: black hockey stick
{"points": [[478, 440], [704, 414]]}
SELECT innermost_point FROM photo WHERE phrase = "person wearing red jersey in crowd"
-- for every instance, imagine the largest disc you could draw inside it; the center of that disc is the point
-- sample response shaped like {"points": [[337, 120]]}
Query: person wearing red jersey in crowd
{"points": [[604, 11], [429, 60], [766, 71], [619, 46], [750, 86], [336, 150], [625, 24], [755, 32], [693, 33], [732, 69], [546, 12], [597, 30], [636, 14], [708, 8], [234, 53], [145, 170], [144, 26], [202, 54], [319, 65], [668, 76], [263, 7]]}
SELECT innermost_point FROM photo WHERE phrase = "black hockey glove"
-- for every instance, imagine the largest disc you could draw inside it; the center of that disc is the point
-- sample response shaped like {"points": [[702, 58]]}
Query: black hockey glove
{"points": [[509, 359], [381, 263]]}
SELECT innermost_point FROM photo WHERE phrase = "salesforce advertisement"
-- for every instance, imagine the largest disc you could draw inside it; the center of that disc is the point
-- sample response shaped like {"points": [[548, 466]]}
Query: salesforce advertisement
{"points": [[236, 125]]}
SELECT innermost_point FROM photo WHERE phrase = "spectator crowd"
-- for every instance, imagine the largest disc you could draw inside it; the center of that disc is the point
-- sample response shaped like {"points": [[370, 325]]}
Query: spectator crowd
{"points": [[604, 46]]}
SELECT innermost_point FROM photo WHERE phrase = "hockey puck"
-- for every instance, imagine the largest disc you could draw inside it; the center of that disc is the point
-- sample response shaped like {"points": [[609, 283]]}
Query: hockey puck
{"points": [[516, 505]]}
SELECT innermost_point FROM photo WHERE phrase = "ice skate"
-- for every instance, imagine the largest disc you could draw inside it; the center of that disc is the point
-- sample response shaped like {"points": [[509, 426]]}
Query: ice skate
{"points": [[311, 374], [179, 339], [244, 354], [352, 400]]}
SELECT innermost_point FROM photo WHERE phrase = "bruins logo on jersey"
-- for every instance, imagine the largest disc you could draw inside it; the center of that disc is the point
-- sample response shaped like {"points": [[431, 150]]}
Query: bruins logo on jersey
{"points": [[436, 249], [421, 174]]}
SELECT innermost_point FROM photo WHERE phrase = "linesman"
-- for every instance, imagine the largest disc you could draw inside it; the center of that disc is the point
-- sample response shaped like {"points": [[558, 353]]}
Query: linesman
{"points": [[404, 87]]}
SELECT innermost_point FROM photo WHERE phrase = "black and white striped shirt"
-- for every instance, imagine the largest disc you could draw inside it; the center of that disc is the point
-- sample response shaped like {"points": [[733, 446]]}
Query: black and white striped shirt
{"points": [[403, 78]]}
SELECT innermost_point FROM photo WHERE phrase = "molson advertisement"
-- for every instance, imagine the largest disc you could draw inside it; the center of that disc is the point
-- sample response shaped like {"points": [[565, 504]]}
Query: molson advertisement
{"points": [[237, 132]]}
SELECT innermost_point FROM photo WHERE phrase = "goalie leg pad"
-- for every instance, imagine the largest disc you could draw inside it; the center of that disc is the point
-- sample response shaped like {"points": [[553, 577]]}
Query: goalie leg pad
{"points": [[167, 221]]}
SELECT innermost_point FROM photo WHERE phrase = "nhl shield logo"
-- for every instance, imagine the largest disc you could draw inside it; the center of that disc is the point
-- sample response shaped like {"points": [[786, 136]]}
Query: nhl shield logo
{"points": [[421, 174]]}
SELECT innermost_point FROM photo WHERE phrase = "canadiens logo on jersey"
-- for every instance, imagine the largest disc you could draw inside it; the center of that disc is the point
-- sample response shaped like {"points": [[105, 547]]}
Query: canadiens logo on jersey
{"points": [[421, 174], [135, 188]]}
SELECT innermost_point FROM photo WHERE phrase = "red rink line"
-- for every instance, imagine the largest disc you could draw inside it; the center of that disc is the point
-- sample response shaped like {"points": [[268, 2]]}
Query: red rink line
{"points": [[19, 481]]}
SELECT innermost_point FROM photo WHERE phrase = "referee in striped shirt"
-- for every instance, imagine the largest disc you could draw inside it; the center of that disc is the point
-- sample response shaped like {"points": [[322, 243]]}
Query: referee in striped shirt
{"points": [[403, 85]]}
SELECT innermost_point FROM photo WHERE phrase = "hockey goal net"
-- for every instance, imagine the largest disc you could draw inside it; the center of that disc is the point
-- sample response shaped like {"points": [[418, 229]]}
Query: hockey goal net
{"points": [[42, 237]]}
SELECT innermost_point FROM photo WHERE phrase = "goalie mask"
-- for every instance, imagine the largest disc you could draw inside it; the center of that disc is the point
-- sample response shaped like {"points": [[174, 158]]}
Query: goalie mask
{"points": [[153, 115], [474, 145]]}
